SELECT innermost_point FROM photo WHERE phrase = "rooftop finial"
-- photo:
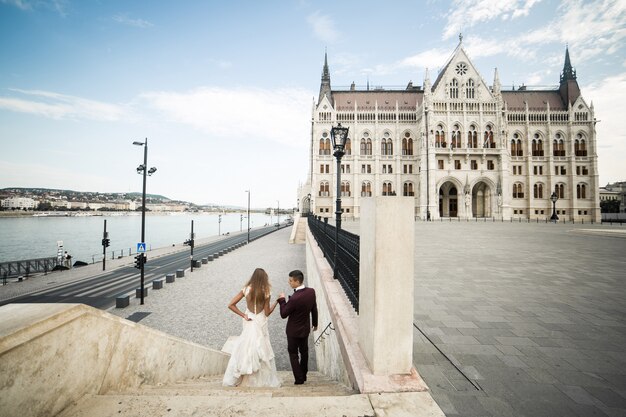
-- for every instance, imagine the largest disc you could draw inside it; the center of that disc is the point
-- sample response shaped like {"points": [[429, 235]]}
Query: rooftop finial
{"points": [[460, 37]]}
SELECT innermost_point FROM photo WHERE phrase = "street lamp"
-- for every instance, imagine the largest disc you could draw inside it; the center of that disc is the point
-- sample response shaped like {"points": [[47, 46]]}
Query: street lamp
{"points": [[278, 213], [248, 191], [554, 199], [339, 135], [141, 169], [219, 224]]}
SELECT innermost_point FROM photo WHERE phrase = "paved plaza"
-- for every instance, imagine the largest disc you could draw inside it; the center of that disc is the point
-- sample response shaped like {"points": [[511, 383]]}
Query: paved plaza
{"points": [[533, 314], [195, 307]]}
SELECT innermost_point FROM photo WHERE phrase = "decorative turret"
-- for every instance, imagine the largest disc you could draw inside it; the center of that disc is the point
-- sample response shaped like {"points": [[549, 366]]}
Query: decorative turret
{"points": [[569, 88], [325, 85], [496, 83], [427, 86]]}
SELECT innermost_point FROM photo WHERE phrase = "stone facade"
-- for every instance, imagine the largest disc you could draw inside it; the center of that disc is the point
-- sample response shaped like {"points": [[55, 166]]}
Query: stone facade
{"points": [[458, 147]]}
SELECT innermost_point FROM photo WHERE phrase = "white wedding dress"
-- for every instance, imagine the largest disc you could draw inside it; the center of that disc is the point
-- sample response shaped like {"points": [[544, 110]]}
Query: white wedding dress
{"points": [[251, 361]]}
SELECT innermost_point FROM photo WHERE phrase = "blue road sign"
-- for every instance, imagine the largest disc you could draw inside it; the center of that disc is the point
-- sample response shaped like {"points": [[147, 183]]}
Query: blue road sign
{"points": [[141, 247]]}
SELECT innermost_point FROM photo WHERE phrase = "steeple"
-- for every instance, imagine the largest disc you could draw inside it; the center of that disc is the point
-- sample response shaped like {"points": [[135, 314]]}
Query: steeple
{"points": [[427, 85], [568, 73], [325, 85], [568, 88]]}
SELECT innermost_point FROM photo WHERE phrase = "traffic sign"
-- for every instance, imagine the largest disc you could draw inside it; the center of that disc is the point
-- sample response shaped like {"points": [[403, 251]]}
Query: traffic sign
{"points": [[141, 247]]}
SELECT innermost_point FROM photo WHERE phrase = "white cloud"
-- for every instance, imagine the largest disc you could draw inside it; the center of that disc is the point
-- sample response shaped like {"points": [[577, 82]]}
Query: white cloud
{"points": [[28, 5], [277, 115], [323, 27], [61, 106], [467, 13], [591, 28], [608, 101], [20, 4], [124, 19]]}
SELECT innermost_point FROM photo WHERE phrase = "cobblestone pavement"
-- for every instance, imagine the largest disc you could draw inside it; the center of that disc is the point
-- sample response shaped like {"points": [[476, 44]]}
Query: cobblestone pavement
{"points": [[195, 306], [533, 314]]}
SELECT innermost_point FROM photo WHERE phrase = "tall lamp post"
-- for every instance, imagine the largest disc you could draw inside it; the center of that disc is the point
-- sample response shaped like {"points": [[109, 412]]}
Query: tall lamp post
{"points": [[278, 213], [143, 170], [248, 191], [554, 199], [338, 134]]}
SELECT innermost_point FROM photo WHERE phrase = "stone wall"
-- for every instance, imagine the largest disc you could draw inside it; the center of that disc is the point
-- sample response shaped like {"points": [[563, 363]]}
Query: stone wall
{"points": [[328, 351], [51, 355]]}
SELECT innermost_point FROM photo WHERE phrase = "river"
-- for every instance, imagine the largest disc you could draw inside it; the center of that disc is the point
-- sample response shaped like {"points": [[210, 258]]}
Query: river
{"points": [[37, 237]]}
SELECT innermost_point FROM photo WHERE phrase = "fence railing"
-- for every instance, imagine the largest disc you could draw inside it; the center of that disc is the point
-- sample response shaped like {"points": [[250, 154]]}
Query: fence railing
{"points": [[347, 270], [26, 267]]}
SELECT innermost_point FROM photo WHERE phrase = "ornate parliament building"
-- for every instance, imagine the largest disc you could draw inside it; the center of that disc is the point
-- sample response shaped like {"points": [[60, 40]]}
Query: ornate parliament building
{"points": [[458, 147]]}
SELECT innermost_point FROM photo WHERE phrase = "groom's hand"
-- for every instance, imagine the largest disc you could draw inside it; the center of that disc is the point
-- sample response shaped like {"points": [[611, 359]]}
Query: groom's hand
{"points": [[315, 328], [281, 295]]}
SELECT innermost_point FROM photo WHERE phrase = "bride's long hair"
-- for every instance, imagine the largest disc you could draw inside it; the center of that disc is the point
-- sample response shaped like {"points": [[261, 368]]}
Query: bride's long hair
{"points": [[259, 286]]}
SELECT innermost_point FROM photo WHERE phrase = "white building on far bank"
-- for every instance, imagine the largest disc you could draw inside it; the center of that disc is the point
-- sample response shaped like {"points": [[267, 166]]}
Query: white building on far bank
{"points": [[19, 203]]}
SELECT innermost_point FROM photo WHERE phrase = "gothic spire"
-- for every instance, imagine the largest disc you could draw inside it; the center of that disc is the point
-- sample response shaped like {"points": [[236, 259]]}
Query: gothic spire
{"points": [[325, 85], [568, 73], [568, 88]]}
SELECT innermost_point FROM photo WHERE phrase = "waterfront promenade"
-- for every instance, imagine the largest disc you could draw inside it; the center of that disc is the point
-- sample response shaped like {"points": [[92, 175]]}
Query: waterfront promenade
{"points": [[533, 314]]}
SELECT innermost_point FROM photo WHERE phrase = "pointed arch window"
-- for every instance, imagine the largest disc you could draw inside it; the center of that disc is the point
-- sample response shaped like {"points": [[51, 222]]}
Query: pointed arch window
{"points": [[407, 144], [348, 147], [488, 141], [538, 190], [558, 146], [366, 146], [537, 145], [518, 190], [440, 137], [388, 188], [366, 189], [559, 189], [454, 88], [324, 189], [472, 137], [407, 189], [516, 145], [456, 137], [324, 145], [345, 188], [581, 191], [580, 146], [470, 90], [386, 147]]}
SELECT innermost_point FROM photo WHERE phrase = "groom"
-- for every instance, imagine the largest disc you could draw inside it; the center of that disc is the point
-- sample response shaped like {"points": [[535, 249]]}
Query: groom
{"points": [[300, 305]]}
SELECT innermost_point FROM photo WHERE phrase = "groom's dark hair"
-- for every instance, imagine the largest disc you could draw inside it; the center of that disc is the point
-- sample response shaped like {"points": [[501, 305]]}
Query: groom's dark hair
{"points": [[297, 275]]}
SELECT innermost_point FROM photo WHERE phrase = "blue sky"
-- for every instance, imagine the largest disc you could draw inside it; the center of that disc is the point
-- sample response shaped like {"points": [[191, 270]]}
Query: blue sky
{"points": [[223, 90]]}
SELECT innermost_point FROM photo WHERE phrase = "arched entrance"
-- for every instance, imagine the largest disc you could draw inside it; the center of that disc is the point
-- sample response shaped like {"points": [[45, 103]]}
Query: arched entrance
{"points": [[448, 200], [481, 200], [306, 205]]}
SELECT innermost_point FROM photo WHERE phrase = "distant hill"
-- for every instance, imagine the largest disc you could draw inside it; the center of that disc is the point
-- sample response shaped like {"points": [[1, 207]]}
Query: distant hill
{"points": [[80, 194]]}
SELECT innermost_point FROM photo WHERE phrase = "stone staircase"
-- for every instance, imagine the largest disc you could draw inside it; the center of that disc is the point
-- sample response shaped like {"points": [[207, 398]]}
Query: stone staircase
{"points": [[301, 231], [319, 396]]}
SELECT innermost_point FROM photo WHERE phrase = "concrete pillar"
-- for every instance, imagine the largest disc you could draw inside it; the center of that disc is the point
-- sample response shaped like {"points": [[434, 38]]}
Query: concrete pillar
{"points": [[386, 284]]}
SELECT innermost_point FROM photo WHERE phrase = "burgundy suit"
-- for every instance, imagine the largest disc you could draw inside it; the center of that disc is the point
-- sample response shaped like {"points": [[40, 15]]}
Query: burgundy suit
{"points": [[297, 310]]}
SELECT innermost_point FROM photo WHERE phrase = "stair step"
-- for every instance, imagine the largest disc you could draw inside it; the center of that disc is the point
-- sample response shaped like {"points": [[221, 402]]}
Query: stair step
{"points": [[317, 385], [244, 406]]}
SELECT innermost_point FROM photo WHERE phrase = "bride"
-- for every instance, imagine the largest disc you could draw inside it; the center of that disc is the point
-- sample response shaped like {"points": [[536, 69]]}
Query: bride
{"points": [[252, 358]]}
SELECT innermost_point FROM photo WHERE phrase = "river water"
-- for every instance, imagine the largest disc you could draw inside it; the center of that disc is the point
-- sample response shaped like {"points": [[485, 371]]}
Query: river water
{"points": [[37, 237]]}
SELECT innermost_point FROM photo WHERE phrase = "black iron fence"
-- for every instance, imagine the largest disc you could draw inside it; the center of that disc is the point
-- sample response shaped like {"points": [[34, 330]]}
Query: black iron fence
{"points": [[347, 255]]}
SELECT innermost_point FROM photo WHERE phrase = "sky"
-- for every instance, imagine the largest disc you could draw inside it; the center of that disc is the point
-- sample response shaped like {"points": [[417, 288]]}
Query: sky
{"points": [[223, 90]]}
